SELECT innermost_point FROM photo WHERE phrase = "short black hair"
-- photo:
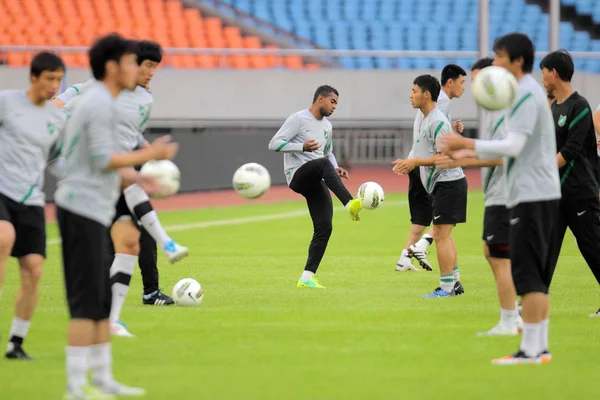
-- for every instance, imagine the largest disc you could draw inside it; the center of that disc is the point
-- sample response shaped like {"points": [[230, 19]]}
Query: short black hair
{"points": [[452, 71], [562, 62], [149, 50], [517, 45], [46, 61], [482, 63], [428, 83], [324, 91], [109, 48]]}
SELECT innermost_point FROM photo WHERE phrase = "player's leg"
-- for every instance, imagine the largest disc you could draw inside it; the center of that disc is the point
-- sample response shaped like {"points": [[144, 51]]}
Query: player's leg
{"points": [[7, 239], [139, 204], [150, 277]]}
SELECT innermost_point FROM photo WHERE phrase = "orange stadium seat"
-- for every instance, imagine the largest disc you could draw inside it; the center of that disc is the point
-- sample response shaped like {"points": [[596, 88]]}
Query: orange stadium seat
{"points": [[80, 22]]}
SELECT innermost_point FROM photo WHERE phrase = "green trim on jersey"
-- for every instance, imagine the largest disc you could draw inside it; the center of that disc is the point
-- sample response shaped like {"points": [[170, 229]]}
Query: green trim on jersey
{"points": [[567, 172], [281, 146], [437, 130], [578, 118], [500, 121], [509, 164], [75, 87], [488, 179], [516, 107], [430, 177]]}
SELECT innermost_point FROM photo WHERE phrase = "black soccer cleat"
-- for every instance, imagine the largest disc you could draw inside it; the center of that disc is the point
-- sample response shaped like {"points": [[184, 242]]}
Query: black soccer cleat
{"points": [[157, 298], [458, 288], [17, 353]]}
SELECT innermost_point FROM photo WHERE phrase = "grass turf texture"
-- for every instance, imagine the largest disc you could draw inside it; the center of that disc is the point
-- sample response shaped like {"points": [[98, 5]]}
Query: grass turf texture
{"points": [[369, 335]]}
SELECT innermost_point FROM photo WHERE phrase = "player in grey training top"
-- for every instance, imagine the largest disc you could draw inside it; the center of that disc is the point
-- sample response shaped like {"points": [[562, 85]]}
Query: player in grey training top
{"points": [[30, 138], [419, 203], [533, 192], [312, 170]]}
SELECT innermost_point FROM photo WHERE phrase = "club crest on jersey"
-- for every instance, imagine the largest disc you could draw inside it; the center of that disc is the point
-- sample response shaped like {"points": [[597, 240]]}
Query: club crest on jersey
{"points": [[51, 127], [326, 134], [561, 120], [143, 109]]}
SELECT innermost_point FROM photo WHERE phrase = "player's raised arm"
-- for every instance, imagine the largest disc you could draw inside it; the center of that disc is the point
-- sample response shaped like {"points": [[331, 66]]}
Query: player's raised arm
{"points": [[72, 91], [281, 141]]}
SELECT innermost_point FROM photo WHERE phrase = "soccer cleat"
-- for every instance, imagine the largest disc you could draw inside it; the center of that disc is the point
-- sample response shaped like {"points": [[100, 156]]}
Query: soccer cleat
{"points": [[458, 288], [157, 298], [119, 329], [438, 292], [421, 256], [118, 389], [86, 392], [404, 264], [545, 357], [311, 283], [17, 353], [596, 314], [501, 330], [354, 207], [175, 252], [514, 359]]}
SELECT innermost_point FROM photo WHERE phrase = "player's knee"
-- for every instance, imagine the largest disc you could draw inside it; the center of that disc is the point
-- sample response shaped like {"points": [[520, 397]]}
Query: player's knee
{"points": [[7, 238], [31, 270], [417, 230], [324, 229], [499, 251], [441, 232], [126, 237]]}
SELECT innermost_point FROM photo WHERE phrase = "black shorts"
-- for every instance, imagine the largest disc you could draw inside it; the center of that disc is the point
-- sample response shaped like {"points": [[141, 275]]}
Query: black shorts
{"points": [[450, 202], [496, 228], [30, 227], [86, 263], [122, 211], [531, 236], [419, 201]]}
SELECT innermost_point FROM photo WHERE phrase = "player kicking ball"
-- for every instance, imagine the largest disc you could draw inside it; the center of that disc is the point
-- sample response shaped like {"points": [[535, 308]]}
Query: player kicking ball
{"points": [[447, 188], [312, 170]]}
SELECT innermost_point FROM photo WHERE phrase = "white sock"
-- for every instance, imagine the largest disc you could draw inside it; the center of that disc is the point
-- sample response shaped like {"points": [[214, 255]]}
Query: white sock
{"points": [[508, 317], [544, 335], [19, 329], [424, 242], [530, 343], [306, 275], [77, 367], [120, 276], [456, 274], [134, 196], [101, 364]]}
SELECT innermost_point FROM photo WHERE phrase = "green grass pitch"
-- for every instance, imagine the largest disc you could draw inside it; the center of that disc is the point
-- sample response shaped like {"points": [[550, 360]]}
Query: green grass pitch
{"points": [[369, 335]]}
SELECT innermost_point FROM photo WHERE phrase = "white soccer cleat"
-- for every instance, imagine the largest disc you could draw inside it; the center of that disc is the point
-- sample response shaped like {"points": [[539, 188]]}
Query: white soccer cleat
{"points": [[118, 329], [596, 314], [404, 264], [118, 389], [421, 256], [501, 330], [87, 392], [175, 252]]}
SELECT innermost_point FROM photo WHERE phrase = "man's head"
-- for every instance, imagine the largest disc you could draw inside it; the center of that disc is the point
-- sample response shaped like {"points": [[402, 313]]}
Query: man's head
{"points": [[556, 67], [149, 55], [453, 80], [45, 74], [326, 98], [425, 89], [114, 60], [479, 65], [515, 52]]}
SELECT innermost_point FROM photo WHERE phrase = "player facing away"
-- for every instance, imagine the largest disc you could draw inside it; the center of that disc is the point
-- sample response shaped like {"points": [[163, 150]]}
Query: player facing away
{"points": [[88, 189], [577, 160], [29, 127], [447, 188], [419, 201], [532, 195], [134, 112], [312, 170], [496, 243]]}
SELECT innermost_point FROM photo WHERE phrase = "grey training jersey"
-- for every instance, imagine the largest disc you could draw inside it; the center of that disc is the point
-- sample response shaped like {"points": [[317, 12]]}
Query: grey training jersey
{"points": [[29, 139], [434, 125], [533, 175], [86, 187], [290, 138], [494, 187], [443, 104], [133, 113]]}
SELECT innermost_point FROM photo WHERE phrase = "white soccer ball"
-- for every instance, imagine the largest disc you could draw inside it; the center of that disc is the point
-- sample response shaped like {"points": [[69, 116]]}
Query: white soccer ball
{"points": [[371, 194], [494, 88], [166, 174], [251, 180], [188, 293]]}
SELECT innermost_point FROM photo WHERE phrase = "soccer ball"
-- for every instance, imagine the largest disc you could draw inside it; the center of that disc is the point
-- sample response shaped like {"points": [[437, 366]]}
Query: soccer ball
{"points": [[251, 180], [494, 88], [187, 293], [166, 174], [371, 195]]}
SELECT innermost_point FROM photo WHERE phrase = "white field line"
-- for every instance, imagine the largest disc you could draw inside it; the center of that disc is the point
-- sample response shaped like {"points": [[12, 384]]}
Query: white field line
{"points": [[242, 221]]}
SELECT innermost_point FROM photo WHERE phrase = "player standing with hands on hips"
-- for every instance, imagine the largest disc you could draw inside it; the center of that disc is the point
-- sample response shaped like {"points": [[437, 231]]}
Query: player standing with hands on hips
{"points": [[312, 170]]}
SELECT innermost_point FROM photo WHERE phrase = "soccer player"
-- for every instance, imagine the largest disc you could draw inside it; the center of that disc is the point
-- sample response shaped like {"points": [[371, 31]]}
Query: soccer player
{"points": [[447, 188], [577, 160], [419, 203], [496, 227], [597, 129], [29, 128], [88, 189], [306, 139], [533, 192]]}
